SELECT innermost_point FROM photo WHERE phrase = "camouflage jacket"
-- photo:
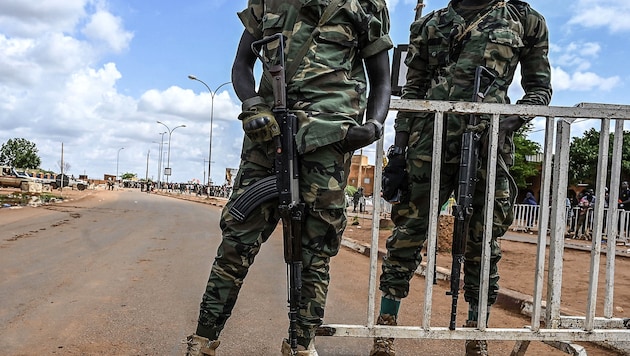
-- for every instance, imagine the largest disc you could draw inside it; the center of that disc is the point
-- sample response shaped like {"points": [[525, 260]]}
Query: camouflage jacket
{"points": [[444, 52], [328, 90]]}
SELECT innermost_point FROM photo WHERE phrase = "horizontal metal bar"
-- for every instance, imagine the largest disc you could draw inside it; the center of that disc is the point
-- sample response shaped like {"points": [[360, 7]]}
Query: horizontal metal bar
{"points": [[569, 322], [462, 107], [443, 333]]}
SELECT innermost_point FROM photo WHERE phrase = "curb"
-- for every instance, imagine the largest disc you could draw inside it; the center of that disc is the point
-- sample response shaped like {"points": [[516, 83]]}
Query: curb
{"points": [[507, 298]]}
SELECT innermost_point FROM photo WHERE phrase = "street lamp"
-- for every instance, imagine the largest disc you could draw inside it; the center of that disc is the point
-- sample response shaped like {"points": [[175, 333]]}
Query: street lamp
{"points": [[212, 94], [160, 160], [117, 159], [168, 159]]}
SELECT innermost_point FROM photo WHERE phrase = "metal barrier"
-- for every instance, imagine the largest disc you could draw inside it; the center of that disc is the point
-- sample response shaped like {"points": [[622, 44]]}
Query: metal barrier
{"points": [[579, 222], [547, 323]]}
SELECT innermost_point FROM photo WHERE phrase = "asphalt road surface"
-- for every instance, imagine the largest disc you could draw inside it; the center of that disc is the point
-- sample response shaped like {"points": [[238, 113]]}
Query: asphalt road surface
{"points": [[122, 273]]}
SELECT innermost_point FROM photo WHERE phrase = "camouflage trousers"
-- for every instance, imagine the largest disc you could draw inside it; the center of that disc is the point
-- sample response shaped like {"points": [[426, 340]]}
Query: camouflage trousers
{"points": [[323, 178], [404, 246]]}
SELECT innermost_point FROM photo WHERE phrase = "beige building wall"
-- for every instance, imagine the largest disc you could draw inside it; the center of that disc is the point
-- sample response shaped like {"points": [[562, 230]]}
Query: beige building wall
{"points": [[362, 174]]}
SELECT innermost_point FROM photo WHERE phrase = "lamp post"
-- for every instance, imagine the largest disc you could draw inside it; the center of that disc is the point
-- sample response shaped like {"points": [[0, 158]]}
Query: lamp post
{"points": [[117, 160], [160, 160], [204, 170], [168, 159], [212, 94]]}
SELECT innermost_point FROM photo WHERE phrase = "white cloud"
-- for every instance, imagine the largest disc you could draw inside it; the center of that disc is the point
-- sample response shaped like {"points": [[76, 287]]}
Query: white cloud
{"points": [[611, 14], [107, 28], [582, 81], [576, 55], [34, 17], [571, 64]]}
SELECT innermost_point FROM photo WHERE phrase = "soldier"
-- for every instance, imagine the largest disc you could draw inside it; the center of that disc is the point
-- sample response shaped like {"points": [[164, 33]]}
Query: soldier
{"points": [[327, 92], [446, 47]]}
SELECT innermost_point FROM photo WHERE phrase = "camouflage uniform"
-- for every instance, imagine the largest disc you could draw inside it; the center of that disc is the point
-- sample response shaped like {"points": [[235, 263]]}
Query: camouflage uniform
{"points": [[328, 94], [443, 68]]}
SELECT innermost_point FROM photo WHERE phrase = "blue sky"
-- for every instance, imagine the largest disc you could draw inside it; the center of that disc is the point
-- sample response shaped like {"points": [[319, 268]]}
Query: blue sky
{"points": [[96, 75]]}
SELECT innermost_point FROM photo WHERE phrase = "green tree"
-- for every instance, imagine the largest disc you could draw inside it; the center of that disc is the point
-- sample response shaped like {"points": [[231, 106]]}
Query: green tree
{"points": [[523, 169], [128, 175], [20, 153], [584, 157]]}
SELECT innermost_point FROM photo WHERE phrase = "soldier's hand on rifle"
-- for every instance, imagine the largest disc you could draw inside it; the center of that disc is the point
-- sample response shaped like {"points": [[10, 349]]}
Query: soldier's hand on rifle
{"points": [[395, 176], [259, 123], [361, 136], [507, 126]]}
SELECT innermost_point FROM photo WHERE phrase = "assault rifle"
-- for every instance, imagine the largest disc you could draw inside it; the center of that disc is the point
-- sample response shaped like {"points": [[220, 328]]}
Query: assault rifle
{"points": [[284, 185], [468, 166]]}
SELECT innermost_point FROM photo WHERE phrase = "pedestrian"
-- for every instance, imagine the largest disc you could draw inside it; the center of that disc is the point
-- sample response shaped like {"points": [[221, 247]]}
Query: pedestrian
{"points": [[446, 48], [571, 204], [530, 211], [355, 199], [584, 205], [624, 196], [362, 204], [332, 45], [624, 208]]}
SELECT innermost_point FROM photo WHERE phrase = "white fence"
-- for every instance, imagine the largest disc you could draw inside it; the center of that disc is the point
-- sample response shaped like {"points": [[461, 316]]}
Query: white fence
{"points": [[547, 324], [579, 226]]}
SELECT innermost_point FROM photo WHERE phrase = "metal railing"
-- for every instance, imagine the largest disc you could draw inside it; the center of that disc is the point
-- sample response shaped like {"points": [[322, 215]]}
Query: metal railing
{"points": [[579, 222], [547, 323]]}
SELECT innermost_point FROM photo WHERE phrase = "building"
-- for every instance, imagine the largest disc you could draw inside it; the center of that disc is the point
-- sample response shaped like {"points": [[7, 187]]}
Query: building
{"points": [[362, 174]]}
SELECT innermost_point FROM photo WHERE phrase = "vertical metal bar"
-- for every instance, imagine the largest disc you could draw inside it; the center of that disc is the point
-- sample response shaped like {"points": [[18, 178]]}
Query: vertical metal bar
{"points": [[376, 219], [543, 221], [602, 171], [556, 242], [491, 171], [612, 218], [434, 209]]}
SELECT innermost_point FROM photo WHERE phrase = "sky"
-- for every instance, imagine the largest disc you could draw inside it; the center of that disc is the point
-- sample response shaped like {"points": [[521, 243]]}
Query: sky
{"points": [[96, 76]]}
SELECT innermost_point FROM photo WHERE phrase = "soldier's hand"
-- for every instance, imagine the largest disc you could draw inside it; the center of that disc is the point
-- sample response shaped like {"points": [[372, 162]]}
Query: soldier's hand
{"points": [[361, 136], [507, 126], [259, 123], [395, 178]]}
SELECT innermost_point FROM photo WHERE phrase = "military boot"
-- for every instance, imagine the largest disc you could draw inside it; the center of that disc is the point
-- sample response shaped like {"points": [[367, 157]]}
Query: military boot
{"points": [[301, 351], [475, 347], [384, 346], [200, 346]]}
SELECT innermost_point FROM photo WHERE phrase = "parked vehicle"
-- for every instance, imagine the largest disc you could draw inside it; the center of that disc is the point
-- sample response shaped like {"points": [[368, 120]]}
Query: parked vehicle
{"points": [[10, 178], [69, 182]]}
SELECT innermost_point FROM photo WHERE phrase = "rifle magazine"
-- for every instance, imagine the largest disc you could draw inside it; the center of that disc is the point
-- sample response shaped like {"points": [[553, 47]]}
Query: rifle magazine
{"points": [[258, 193]]}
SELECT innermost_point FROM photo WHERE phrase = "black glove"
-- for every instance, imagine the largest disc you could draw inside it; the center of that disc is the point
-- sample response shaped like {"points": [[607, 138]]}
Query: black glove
{"points": [[395, 178], [259, 123], [361, 136], [507, 126]]}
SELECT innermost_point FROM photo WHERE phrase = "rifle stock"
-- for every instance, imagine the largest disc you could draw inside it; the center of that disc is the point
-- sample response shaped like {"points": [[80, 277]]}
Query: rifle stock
{"points": [[462, 211], [283, 185]]}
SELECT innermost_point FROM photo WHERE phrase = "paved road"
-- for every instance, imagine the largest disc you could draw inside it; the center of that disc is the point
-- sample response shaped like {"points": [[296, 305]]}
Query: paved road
{"points": [[122, 272]]}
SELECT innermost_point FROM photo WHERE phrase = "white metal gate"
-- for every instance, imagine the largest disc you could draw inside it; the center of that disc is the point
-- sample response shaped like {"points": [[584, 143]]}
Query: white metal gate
{"points": [[547, 323]]}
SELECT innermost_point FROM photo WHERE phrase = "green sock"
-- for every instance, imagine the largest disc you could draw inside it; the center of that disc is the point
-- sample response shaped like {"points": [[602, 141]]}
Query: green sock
{"points": [[303, 341], [390, 305], [473, 312], [210, 333]]}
